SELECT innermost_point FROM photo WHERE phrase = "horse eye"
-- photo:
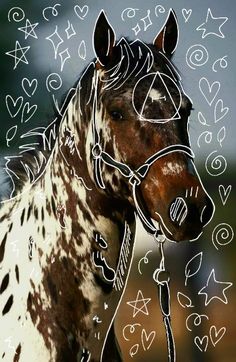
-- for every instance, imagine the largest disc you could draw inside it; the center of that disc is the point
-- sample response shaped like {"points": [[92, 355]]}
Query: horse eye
{"points": [[116, 115]]}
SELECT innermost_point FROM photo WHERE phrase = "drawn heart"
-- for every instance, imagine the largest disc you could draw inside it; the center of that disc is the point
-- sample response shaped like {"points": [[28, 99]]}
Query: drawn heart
{"points": [[224, 193], [186, 14], [208, 91], [201, 343], [28, 112], [147, 339], [220, 111], [81, 12], [215, 335], [29, 87], [13, 107]]}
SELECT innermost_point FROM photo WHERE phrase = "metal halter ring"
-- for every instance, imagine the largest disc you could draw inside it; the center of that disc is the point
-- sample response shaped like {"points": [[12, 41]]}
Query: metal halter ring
{"points": [[135, 178], [161, 276], [96, 151]]}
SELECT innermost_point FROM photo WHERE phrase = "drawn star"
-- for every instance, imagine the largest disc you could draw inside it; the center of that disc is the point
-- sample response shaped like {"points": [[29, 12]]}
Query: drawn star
{"points": [[21, 57], [146, 21], [139, 305], [30, 32], [212, 25], [214, 289]]}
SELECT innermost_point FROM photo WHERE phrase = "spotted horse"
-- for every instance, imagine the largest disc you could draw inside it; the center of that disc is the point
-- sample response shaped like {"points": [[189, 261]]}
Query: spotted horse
{"points": [[117, 149]]}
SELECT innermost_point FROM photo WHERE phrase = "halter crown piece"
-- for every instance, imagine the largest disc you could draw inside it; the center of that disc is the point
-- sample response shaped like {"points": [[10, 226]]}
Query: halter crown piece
{"points": [[135, 177]]}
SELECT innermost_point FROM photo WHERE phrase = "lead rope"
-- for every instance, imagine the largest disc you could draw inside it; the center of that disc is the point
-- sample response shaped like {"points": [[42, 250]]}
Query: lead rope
{"points": [[162, 278]]}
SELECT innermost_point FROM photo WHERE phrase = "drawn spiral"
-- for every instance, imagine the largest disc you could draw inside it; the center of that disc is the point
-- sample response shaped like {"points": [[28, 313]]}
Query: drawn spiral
{"points": [[16, 14], [159, 9], [222, 235], [215, 166], [53, 82], [196, 56]]}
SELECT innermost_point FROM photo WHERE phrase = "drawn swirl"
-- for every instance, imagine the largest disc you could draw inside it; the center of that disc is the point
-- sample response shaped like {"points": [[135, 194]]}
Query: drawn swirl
{"points": [[53, 82], [16, 14], [222, 235], [196, 56], [217, 165]]}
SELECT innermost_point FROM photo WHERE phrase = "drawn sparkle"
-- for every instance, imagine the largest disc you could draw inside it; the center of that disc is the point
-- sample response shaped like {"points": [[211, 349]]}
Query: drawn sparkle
{"points": [[56, 41], [28, 29], [64, 55], [139, 305], [136, 29], [214, 289], [212, 25], [21, 51], [70, 31], [147, 21]]}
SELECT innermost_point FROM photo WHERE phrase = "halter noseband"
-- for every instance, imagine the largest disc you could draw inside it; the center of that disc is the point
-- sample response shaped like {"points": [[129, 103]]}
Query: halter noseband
{"points": [[135, 177]]}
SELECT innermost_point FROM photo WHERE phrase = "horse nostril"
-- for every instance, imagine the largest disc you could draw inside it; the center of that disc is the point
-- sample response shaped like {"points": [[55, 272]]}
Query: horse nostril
{"points": [[207, 212], [178, 210]]}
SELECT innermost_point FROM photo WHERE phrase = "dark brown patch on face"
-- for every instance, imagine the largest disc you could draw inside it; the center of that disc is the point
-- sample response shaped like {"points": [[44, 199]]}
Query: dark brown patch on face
{"points": [[8, 305], [4, 283], [17, 353], [2, 247]]}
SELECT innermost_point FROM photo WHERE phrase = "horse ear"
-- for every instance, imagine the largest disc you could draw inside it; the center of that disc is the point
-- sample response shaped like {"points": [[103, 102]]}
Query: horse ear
{"points": [[167, 39], [103, 39]]}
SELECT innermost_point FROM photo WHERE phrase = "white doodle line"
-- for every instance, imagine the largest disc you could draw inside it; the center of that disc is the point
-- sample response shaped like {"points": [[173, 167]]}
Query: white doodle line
{"points": [[193, 266], [146, 21], [207, 135], [218, 164], [196, 321], [27, 33], [208, 290], [224, 193], [28, 112], [56, 41], [143, 304], [50, 82], [13, 53], [147, 338], [220, 111], [196, 56], [54, 11], [129, 12], [222, 61], [184, 300], [9, 100], [186, 14], [144, 259], [218, 335], [123, 258], [225, 232], [18, 14], [81, 12], [11, 132], [82, 50], [159, 9], [210, 19], [29, 84], [209, 90], [70, 31], [201, 343], [132, 328], [64, 56]]}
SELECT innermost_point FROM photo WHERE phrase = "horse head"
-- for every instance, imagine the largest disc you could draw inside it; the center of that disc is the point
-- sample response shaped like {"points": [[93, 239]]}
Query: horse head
{"points": [[141, 110]]}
